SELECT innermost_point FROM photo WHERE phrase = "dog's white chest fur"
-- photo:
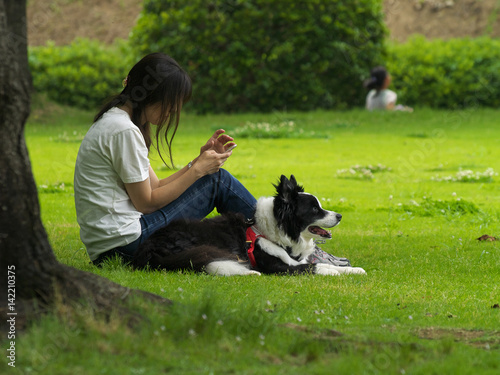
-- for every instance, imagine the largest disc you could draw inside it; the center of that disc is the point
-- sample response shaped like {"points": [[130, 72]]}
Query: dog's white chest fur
{"points": [[267, 226]]}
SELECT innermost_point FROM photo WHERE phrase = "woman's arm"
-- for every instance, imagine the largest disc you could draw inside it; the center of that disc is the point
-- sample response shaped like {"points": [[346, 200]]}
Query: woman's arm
{"points": [[391, 98], [152, 194], [156, 182], [149, 196], [219, 142]]}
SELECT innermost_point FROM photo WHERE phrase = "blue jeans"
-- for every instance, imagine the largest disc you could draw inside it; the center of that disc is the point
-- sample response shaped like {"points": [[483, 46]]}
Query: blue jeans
{"points": [[219, 190]]}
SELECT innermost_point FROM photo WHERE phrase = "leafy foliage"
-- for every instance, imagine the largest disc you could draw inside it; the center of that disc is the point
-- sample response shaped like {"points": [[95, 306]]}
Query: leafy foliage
{"points": [[82, 74], [259, 55], [457, 73]]}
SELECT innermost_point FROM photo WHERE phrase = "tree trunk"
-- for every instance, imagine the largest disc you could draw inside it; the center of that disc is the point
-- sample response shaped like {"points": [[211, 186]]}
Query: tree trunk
{"points": [[26, 258]]}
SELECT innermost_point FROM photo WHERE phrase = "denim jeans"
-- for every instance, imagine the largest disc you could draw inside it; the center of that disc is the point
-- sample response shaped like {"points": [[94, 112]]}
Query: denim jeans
{"points": [[220, 191]]}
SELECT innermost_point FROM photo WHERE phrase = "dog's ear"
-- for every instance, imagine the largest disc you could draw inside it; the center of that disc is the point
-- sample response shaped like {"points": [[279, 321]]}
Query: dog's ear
{"points": [[298, 188], [285, 190], [285, 205], [279, 186]]}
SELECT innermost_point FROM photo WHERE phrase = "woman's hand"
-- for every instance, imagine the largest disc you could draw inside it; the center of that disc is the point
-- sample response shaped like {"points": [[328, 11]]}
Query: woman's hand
{"points": [[219, 142], [209, 162]]}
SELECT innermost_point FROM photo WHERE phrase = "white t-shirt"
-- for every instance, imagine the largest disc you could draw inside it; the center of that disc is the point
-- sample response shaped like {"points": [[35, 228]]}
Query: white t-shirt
{"points": [[381, 99], [112, 153]]}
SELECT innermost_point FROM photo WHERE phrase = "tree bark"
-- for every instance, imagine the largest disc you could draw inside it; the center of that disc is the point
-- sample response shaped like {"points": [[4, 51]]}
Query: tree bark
{"points": [[25, 252]]}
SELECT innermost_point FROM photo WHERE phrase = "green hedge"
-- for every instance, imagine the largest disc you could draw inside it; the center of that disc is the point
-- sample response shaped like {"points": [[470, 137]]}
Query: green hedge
{"points": [[81, 74], [262, 55], [457, 73]]}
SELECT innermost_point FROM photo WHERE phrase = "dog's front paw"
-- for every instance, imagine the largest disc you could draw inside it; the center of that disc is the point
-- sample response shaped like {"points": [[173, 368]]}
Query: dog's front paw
{"points": [[252, 272], [352, 270], [358, 271], [325, 269]]}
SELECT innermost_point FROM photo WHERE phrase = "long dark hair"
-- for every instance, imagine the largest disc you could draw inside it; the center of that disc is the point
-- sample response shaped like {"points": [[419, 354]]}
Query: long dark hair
{"points": [[377, 78], [155, 79]]}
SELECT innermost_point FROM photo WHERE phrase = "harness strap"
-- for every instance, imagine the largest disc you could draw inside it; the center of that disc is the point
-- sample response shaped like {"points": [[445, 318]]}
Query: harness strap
{"points": [[251, 238]]}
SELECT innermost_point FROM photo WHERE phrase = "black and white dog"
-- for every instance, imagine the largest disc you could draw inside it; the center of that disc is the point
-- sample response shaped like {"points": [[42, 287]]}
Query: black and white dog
{"points": [[278, 241]]}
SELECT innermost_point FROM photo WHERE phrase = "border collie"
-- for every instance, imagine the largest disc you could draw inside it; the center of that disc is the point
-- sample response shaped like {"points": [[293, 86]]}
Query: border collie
{"points": [[279, 239]]}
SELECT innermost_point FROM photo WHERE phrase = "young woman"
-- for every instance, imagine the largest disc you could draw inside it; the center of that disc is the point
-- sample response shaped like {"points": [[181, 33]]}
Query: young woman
{"points": [[119, 199], [379, 95]]}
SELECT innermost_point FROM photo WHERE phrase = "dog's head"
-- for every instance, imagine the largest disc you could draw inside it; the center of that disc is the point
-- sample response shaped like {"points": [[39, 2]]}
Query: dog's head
{"points": [[300, 214]]}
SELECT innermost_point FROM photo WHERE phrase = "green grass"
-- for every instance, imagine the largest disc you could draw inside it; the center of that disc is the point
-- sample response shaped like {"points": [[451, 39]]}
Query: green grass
{"points": [[426, 305]]}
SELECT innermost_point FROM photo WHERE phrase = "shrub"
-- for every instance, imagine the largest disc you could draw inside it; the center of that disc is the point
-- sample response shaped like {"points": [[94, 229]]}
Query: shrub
{"points": [[457, 73], [81, 74], [260, 55]]}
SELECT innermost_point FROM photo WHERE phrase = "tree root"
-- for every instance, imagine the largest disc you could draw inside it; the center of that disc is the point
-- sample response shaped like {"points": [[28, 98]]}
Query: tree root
{"points": [[74, 290]]}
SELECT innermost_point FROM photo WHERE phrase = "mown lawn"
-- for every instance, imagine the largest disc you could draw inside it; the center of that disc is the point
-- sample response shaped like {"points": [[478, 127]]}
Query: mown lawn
{"points": [[428, 304]]}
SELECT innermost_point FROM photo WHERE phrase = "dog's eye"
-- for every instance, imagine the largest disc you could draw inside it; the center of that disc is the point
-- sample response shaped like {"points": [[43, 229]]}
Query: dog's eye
{"points": [[315, 210]]}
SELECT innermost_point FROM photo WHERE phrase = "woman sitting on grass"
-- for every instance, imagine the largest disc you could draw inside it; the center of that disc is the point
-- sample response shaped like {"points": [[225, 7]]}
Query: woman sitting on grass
{"points": [[119, 199], [379, 96]]}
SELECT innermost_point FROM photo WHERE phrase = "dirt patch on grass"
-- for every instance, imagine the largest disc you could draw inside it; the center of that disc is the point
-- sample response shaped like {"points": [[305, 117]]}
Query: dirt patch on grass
{"points": [[476, 338]]}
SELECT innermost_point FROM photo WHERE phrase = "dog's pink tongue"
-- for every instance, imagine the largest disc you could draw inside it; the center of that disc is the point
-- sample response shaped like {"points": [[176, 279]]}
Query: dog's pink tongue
{"points": [[320, 232]]}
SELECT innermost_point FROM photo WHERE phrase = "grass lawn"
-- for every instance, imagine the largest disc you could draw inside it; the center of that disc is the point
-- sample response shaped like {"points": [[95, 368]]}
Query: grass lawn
{"points": [[415, 191]]}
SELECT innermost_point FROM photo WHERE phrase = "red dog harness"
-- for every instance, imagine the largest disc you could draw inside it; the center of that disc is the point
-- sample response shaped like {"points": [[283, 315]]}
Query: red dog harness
{"points": [[251, 238]]}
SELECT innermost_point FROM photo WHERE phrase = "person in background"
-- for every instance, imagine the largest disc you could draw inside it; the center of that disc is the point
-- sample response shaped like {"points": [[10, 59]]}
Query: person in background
{"points": [[379, 96]]}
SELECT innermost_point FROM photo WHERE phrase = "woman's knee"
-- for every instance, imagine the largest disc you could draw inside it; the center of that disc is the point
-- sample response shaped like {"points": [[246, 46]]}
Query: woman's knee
{"points": [[225, 175], [216, 178]]}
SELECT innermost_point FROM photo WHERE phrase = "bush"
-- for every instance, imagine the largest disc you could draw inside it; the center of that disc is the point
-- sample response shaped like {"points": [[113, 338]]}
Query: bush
{"points": [[82, 74], [457, 73], [261, 55]]}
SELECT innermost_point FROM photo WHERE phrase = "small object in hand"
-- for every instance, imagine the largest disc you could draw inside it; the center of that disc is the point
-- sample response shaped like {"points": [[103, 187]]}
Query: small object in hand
{"points": [[231, 148]]}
